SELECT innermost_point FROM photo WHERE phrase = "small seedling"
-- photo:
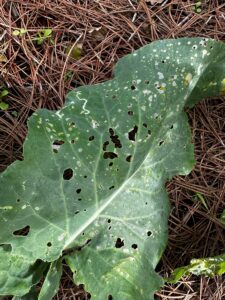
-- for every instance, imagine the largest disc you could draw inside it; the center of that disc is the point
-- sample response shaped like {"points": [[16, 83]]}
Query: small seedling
{"points": [[3, 105], [198, 7], [75, 52], [42, 35], [68, 75], [199, 197], [19, 32]]}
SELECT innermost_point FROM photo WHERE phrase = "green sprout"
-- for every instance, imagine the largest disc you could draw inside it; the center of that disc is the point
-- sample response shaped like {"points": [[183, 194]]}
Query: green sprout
{"points": [[19, 32], [198, 7], [3, 105], [199, 197], [42, 35]]}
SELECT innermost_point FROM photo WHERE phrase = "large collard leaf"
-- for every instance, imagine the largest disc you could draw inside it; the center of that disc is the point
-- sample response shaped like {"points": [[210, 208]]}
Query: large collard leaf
{"points": [[93, 173]]}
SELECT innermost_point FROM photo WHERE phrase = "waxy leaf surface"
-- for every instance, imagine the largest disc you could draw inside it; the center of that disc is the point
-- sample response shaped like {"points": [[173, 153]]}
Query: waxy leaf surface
{"points": [[93, 175]]}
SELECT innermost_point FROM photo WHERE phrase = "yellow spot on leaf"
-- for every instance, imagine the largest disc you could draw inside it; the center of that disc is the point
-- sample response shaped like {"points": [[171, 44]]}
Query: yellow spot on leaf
{"points": [[187, 79]]}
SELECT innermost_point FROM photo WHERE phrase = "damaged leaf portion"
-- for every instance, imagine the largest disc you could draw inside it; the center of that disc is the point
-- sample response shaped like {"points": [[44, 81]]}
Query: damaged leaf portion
{"points": [[93, 175], [209, 267], [17, 273]]}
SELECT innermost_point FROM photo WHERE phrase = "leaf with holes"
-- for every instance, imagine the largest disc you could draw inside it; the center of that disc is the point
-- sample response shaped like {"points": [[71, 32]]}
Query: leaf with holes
{"points": [[209, 267], [91, 186]]}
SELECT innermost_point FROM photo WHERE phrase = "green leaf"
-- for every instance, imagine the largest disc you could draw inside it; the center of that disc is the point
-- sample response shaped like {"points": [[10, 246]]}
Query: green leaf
{"points": [[32, 295], [23, 30], [76, 51], [204, 266], [16, 32], [4, 93], [47, 32], [18, 273], [52, 280], [93, 175], [19, 32], [4, 106], [222, 217]]}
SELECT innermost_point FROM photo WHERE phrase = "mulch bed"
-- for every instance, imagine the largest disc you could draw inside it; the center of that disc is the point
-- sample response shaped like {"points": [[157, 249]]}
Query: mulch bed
{"points": [[38, 76]]}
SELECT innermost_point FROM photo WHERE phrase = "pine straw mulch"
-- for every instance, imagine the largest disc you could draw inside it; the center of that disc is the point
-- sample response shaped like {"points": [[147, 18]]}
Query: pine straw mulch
{"points": [[39, 76]]}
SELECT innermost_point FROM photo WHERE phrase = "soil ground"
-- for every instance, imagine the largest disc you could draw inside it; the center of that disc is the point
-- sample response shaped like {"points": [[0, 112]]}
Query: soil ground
{"points": [[39, 76]]}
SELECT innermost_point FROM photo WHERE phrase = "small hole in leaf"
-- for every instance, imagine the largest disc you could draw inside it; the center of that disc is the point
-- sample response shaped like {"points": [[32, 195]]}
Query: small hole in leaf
{"points": [[110, 227], [73, 142], [91, 138], [76, 212], [22, 232], [110, 155], [132, 133], [171, 127], [56, 145], [78, 191], [134, 246], [149, 233], [85, 176], [161, 142], [113, 96], [119, 243], [79, 199], [110, 297], [133, 87], [111, 131], [49, 244], [146, 203], [104, 147], [130, 113], [149, 132], [110, 164], [111, 187], [68, 174], [163, 61], [58, 142], [115, 139], [18, 200], [128, 158], [145, 125], [109, 220]]}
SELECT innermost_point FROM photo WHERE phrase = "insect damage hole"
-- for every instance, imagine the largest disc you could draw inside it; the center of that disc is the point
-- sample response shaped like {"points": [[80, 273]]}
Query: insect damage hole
{"points": [[49, 244], [91, 138], [22, 232], [129, 158], [134, 246], [68, 174], [119, 243], [56, 145], [115, 138], [110, 297], [110, 155], [132, 133]]}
